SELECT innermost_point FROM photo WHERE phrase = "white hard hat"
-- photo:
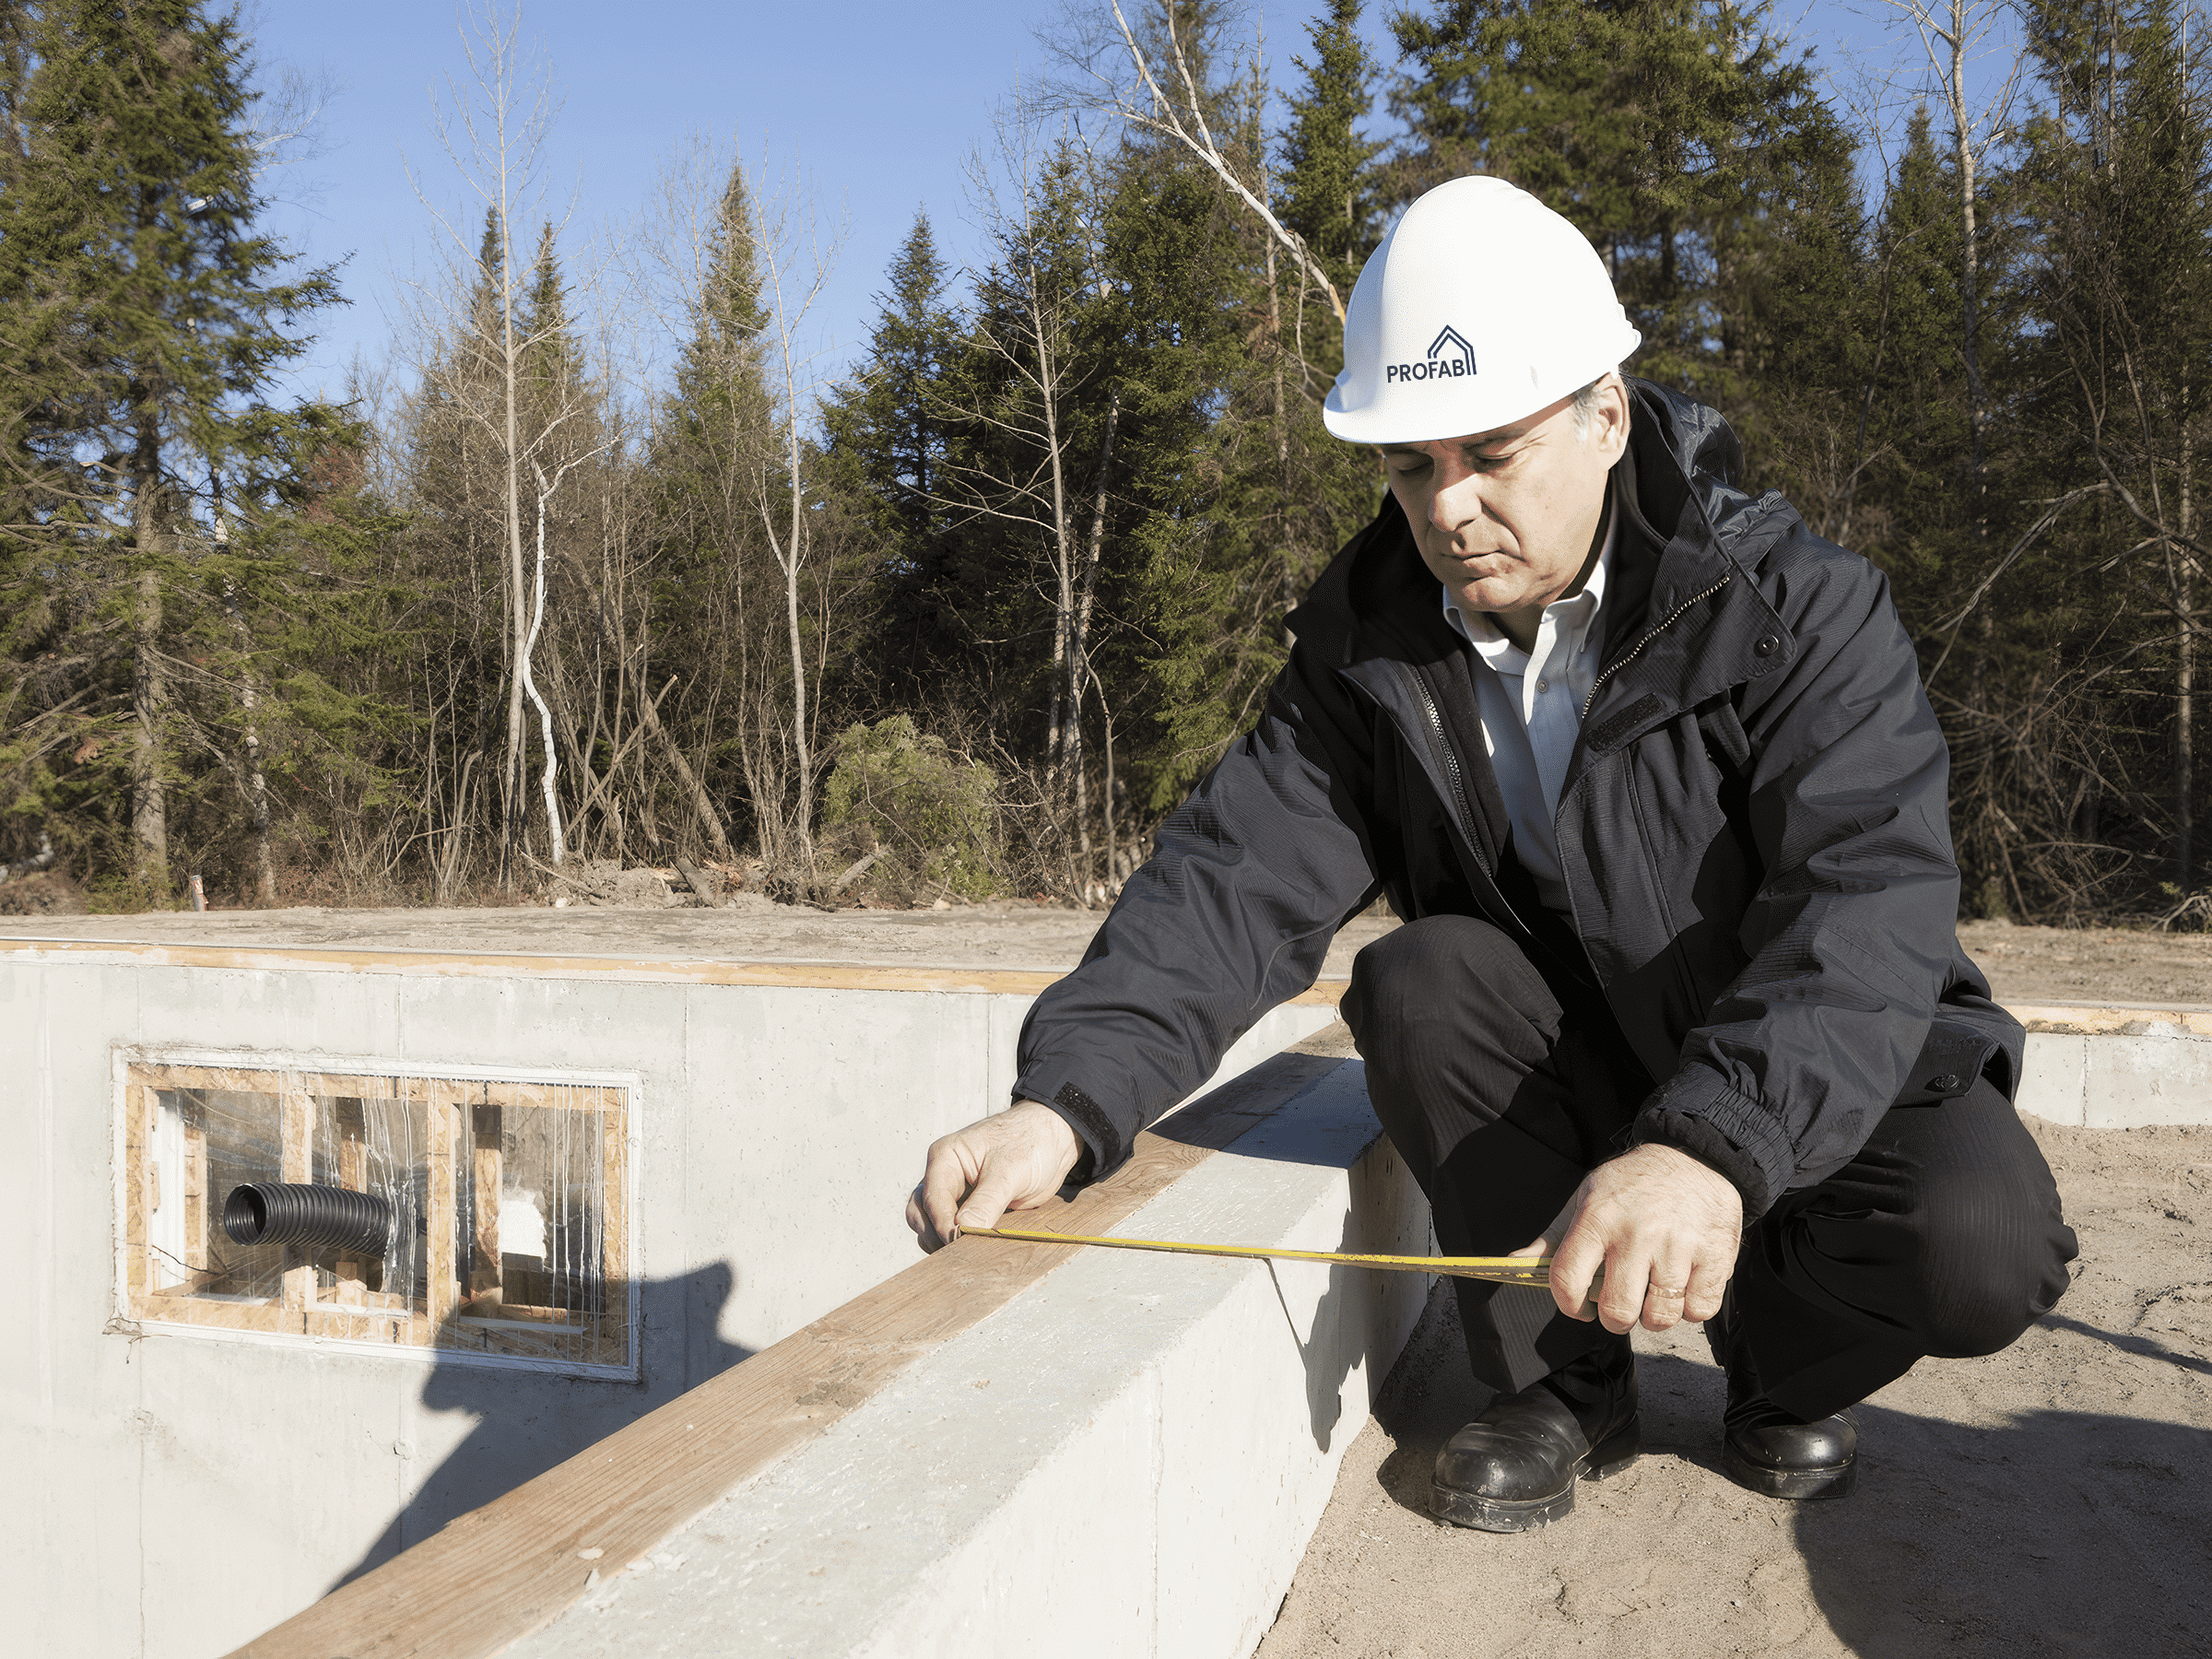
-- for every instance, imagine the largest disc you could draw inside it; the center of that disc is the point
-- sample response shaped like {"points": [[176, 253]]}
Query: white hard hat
{"points": [[1481, 306]]}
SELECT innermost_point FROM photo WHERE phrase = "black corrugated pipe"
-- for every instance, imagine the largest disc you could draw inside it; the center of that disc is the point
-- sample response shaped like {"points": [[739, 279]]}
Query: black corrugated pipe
{"points": [[290, 1212]]}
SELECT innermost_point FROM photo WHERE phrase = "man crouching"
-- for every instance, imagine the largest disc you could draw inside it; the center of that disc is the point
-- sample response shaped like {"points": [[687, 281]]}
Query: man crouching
{"points": [[1647, 767]]}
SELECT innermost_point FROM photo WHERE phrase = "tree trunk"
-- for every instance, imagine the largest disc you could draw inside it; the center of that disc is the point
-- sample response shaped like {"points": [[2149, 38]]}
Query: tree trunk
{"points": [[537, 616], [802, 826], [511, 781], [1080, 672], [1977, 413], [257, 782], [2184, 723], [149, 820], [149, 815]]}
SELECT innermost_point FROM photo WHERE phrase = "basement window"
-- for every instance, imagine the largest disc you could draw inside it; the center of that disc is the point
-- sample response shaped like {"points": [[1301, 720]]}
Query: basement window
{"points": [[487, 1218]]}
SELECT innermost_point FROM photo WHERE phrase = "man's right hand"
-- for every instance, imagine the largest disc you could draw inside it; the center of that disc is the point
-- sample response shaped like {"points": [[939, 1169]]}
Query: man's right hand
{"points": [[1013, 1161]]}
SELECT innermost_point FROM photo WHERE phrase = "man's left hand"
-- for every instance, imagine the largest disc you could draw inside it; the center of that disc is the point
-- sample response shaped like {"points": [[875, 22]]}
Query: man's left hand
{"points": [[1665, 1227]]}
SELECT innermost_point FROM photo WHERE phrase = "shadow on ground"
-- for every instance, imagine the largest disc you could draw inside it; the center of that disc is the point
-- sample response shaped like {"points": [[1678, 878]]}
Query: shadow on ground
{"points": [[2050, 1532], [528, 1421]]}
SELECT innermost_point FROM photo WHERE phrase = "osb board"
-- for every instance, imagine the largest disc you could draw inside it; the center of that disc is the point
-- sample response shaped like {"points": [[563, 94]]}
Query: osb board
{"points": [[2100, 1020], [301, 1310], [501, 1571], [815, 976]]}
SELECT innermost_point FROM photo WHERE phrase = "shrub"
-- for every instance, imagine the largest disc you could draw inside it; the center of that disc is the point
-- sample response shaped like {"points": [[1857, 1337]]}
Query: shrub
{"points": [[935, 813]]}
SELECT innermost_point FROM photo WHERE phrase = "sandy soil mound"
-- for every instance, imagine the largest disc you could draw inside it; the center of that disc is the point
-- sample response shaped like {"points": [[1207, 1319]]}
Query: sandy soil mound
{"points": [[2090, 964], [2027, 965], [2056, 1499]]}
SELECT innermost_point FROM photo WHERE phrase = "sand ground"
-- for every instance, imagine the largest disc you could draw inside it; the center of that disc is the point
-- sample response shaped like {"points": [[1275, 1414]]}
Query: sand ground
{"points": [[2056, 1499], [2025, 964]]}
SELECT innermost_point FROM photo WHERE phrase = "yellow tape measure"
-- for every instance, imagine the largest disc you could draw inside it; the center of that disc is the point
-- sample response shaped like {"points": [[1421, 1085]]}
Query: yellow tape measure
{"points": [[1532, 1271]]}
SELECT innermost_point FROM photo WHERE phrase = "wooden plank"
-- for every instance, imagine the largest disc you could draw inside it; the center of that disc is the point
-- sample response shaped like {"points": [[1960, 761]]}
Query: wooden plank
{"points": [[140, 1105], [821, 976], [447, 1110], [296, 1124], [501, 1571], [349, 1119], [613, 1232], [203, 1214], [487, 1168], [271, 1317]]}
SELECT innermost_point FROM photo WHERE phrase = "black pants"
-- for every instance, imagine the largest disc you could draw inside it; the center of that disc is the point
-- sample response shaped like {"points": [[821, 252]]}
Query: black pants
{"points": [[1942, 1236]]}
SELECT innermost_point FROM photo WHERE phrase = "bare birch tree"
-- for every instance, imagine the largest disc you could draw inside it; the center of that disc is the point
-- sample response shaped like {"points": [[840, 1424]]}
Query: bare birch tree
{"points": [[492, 122]]}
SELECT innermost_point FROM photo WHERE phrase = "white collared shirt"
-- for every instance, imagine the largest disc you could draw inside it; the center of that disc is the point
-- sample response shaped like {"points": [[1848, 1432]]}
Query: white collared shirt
{"points": [[1530, 716]]}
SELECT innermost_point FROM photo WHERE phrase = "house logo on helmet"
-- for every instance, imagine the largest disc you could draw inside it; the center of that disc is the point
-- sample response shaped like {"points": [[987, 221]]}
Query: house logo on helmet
{"points": [[1449, 358]]}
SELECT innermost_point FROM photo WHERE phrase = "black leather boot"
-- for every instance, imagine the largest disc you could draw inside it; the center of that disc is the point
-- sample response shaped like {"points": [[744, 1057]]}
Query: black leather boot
{"points": [[1515, 1465], [1763, 1448]]}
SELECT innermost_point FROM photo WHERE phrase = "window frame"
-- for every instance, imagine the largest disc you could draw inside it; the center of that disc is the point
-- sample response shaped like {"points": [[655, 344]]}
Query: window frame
{"points": [[345, 1319]]}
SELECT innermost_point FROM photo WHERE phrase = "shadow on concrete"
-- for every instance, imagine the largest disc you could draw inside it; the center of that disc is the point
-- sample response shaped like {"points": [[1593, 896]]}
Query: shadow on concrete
{"points": [[528, 1421], [1324, 1379]]}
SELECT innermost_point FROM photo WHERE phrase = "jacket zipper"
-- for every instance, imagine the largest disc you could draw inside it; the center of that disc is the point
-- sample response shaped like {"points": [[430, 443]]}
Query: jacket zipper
{"points": [[1672, 616], [1459, 783]]}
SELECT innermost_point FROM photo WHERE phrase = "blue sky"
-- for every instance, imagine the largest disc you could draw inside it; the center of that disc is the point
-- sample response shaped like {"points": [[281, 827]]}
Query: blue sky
{"points": [[875, 106]]}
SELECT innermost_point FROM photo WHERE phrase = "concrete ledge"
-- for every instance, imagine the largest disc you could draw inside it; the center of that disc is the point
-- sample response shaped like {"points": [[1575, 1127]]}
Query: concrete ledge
{"points": [[2111, 1066], [790, 972], [1127, 1452]]}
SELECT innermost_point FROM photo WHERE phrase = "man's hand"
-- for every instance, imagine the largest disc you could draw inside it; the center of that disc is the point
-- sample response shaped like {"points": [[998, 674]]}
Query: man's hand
{"points": [[1013, 1161], [1665, 1227]]}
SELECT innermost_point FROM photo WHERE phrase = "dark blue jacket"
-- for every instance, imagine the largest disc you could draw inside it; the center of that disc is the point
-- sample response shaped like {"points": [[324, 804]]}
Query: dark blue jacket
{"points": [[1754, 831]]}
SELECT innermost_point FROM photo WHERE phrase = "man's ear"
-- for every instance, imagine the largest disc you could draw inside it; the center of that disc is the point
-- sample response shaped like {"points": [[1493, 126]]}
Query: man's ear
{"points": [[1612, 413]]}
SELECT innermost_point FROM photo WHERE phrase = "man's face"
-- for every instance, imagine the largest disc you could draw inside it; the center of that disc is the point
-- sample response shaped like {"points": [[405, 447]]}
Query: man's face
{"points": [[1505, 519]]}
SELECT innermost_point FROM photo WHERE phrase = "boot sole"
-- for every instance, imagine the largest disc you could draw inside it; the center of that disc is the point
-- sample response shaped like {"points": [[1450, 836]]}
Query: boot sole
{"points": [[1524, 1514], [1798, 1486]]}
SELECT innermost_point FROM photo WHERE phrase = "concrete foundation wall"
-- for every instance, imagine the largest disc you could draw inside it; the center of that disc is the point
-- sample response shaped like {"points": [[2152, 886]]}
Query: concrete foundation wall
{"points": [[193, 1489], [1127, 1460], [2118, 1068]]}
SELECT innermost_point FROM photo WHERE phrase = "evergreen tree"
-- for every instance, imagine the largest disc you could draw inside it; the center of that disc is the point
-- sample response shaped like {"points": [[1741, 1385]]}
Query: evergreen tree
{"points": [[886, 436], [1665, 130], [717, 626], [2118, 364], [1327, 191], [145, 324]]}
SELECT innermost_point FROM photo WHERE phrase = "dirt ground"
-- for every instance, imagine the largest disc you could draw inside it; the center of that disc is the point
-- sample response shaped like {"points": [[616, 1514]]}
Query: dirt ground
{"points": [[2090, 964], [2027, 965], [2056, 1499]]}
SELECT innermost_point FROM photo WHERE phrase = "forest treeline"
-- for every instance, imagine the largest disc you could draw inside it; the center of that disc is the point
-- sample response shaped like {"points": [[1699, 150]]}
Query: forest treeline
{"points": [[974, 616]]}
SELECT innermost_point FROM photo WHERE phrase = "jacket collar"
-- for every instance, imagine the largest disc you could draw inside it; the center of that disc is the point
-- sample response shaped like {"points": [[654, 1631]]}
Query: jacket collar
{"points": [[1686, 618]]}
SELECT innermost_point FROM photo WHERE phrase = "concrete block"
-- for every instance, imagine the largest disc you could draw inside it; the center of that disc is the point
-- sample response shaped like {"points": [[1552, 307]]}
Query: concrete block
{"points": [[2158, 1074], [2053, 1077], [1131, 1456]]}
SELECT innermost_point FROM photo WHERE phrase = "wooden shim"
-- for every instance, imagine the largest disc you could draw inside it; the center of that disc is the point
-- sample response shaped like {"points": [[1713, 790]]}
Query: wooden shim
{"points": [[447, 1110], [496, 1574], [350, 1118], [140, 1102], [296, 1118], [487, 1164], [613, 1228]]}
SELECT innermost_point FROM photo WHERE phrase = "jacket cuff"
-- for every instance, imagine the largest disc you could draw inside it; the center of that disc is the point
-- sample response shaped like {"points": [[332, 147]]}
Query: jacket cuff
{"points": [[1702, 1116], [1103, 1146]]}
